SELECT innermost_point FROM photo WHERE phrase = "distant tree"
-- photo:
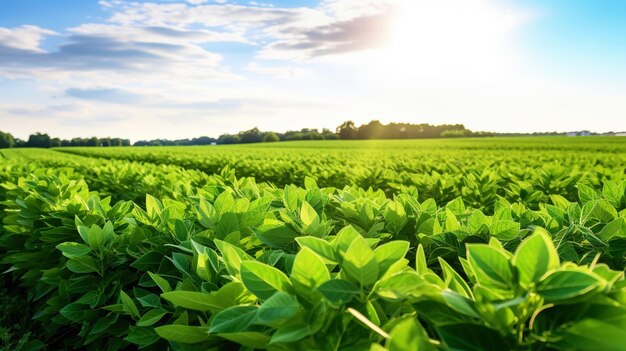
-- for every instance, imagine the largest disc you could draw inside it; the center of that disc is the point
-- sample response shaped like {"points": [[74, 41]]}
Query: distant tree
{"points": [[377, 130], [20, 143], [482, 134], [66, 142], [55, 142], [203, 140], [6, 140], [38, 140], [454, 133], [372, 130], [116, 142], [228, 139], [93, 141], [327, 134], [347, 130], [251, 136], [78, 142], [271, 137]]}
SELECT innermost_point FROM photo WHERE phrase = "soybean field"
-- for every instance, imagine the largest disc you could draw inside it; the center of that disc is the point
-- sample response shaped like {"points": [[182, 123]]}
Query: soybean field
{"points": [[447, 244]]}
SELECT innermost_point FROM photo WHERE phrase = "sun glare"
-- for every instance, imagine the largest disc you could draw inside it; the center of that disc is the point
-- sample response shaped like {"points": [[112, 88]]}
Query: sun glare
{"points": [[435, 37]]}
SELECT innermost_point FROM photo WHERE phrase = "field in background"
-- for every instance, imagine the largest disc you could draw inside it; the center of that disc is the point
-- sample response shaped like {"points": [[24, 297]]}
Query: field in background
{"points": [[481, 244], [519, 169]]}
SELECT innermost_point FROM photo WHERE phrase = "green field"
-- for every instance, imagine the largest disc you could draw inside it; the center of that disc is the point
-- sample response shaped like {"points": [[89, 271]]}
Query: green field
{"points": [[464, 244]]}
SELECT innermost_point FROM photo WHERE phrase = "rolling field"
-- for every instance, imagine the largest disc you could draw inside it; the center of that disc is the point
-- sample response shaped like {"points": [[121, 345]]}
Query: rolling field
{"points": [[459, 244]]}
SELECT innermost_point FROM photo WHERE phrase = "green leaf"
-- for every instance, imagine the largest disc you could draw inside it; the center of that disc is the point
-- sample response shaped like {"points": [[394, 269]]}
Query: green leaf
{"points": [[308, 269], [339, 291], [616, 228], [104, 323], [290, 198], [408, 335], [162, 283], [505, 229], [72, 249], [151, 317], [310, 183], [476, 221], [227, 224], [202, 265], [263, 280], [256, 212], [395, 216], [452, 223], [388, 254], [142, 336], [224, 202], [277, 309], [586, 194], [275, 233], [192, 300], [83, 264], [454, 281], [405, 284], [562, 285], [291, 333], [460, 303], [183, 334], [490, 265], [254, 340], [147, 261], [471, 337], [344, 238], [359, 262], [535, 256], [420, 260], [319, 246], [308, 215], [74, 312], [129, 305], [232, 256], [233, 319], [206, 213], [601, 210], [594, 335], [559, 201], [153, 206]]}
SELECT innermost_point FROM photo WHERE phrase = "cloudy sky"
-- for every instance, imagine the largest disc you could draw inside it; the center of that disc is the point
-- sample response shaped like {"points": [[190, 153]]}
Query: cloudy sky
{"points": [[177, 69]]}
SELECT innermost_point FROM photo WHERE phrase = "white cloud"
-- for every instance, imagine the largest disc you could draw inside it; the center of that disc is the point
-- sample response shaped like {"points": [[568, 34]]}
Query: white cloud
{"points": [[157, 34], [106, 52], [334, 27], [26, 37]]}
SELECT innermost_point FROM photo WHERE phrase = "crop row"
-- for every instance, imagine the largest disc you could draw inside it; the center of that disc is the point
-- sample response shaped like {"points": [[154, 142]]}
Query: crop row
{"points": [[477, 171]]}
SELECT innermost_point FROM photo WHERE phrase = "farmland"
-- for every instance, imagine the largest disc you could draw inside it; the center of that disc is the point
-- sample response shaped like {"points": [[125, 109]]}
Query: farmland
{"points": [[465, 244]]}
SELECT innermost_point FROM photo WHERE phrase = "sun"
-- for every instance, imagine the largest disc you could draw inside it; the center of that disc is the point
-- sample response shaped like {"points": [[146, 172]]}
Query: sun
{"points": [[435, 37]]}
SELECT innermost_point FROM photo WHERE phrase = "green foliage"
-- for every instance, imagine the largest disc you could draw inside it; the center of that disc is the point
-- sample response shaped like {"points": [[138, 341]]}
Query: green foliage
{"points": [[112, 255], [271, 137], [6, 140]]}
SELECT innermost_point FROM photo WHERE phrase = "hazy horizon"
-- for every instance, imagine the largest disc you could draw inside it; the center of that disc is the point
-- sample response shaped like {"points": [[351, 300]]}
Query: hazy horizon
{"points": [[184, 69]]}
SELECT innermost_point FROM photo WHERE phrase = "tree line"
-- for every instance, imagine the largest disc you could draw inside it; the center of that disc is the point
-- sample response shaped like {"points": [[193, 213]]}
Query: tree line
{"points": [[346, 131], [43, 140]]}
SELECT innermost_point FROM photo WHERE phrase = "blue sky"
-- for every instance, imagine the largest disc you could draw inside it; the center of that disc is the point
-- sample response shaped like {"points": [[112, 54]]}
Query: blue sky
{"points": [[176, 69]]}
